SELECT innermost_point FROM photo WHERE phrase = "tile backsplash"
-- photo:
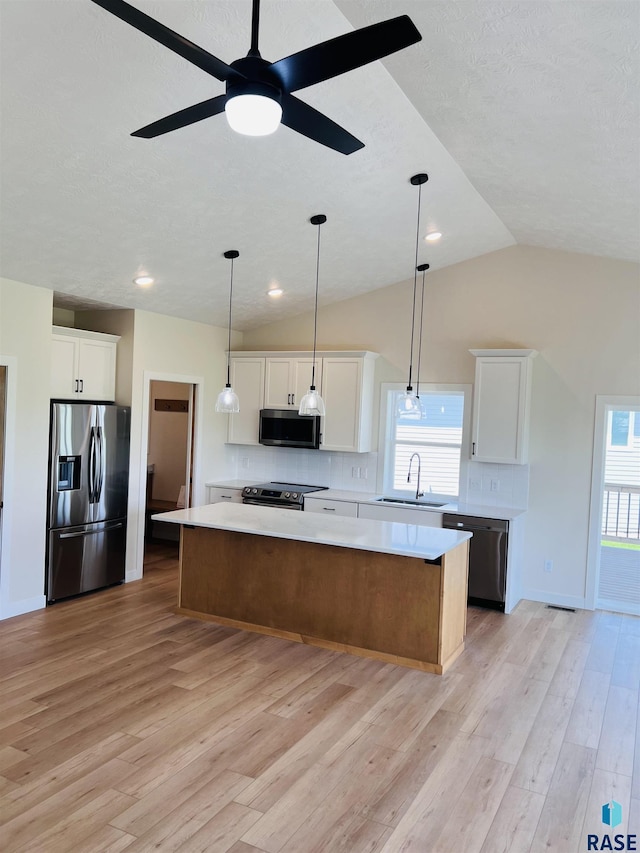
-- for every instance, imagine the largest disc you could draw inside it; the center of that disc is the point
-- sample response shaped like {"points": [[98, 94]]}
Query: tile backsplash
{"points": [[483, 483], [497, 485], [351, 471]]}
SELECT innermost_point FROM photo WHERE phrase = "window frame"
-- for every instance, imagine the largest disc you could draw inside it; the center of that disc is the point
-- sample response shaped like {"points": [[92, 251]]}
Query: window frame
{"points": [[385, 442]]}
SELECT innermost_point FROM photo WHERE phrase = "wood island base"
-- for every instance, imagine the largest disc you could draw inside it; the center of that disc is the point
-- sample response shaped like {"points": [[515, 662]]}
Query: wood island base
{"points": [[401, 610]]}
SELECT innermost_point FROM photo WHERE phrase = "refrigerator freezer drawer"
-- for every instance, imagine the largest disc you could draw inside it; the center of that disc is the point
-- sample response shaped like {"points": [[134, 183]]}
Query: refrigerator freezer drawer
{"points": [[85, 558]]}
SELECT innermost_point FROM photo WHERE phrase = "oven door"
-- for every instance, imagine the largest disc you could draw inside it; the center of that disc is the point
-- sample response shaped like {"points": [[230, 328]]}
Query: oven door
{"points": [[257, 502]]}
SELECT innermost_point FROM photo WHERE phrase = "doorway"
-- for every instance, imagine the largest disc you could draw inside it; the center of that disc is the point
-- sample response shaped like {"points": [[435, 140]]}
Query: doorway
{"points": [[3, 408], [169, 456], [613, 572]]}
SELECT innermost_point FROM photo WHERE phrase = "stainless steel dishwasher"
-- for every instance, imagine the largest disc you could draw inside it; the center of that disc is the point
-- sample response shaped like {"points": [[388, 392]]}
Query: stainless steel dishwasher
{"points": [[487, 557]]}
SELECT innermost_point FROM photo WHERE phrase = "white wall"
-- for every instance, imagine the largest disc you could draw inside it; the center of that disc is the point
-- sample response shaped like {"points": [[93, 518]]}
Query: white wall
{"points": [[171, 349], [581, 313], [25, 346]]}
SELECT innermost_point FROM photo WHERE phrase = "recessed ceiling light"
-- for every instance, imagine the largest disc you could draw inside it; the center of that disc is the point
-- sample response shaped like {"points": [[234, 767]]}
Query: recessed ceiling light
{"points": [[432, 236], [143, 280], [275, 291]]}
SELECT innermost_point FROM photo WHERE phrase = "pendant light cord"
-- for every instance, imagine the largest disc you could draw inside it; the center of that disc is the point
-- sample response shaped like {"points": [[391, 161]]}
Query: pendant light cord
{"points": [[415, 286], [315, 314], [420, 338], [229, 342]]}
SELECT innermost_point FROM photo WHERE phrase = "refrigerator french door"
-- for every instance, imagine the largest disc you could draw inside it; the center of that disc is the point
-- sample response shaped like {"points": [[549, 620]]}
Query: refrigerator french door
{"points": [[87, 508]]}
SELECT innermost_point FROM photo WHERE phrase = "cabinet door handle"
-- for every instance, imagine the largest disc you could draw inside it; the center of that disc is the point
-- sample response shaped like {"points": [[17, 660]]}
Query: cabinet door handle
{"points": [[81, 386], [293, 399], [329, 508], [473, 448], [77, 386], [288, 399]]}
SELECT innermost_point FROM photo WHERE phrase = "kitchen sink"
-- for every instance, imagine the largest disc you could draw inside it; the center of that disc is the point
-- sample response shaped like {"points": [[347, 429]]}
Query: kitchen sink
{"points": [[411, 501]]}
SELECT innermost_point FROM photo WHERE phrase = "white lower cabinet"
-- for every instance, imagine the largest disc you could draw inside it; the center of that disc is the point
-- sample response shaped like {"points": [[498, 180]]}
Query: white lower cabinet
{"points": [[330, 507], [216, 495], [405, 515]]}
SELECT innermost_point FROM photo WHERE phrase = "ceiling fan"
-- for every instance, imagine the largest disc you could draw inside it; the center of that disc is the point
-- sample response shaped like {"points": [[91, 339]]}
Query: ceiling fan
{"points": [[258, 93]]}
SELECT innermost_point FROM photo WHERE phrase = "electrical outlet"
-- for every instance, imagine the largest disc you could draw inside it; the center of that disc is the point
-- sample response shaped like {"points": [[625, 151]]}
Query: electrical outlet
{"points": [[245, 461], [495, 485], [548, 565], [364, 473], [475, 484], [354, 473]]}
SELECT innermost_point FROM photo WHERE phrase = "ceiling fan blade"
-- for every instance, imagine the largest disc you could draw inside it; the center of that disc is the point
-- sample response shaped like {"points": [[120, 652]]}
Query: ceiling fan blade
{"points": [[309, 122], [190, 115], [344, 53], [175, 42]]}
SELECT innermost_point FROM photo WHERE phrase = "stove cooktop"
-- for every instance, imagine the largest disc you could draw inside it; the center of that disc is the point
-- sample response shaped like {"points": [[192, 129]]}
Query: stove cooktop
{"points": [[290, 487], [278, 494]]}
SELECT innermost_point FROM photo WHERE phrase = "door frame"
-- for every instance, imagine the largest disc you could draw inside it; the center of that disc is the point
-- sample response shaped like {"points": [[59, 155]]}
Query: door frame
{"points": [[148, 377], [6, 514], [604, 404]]}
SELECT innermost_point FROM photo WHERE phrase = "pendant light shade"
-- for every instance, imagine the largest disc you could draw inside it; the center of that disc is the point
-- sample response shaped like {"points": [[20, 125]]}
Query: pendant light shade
{"points": [[227, 401], [312, 403], [408, 406]]}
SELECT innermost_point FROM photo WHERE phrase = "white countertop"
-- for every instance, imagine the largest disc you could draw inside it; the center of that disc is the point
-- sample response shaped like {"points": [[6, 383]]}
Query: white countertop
{"points": [[458, 507], [230, 484], [408, 540]]}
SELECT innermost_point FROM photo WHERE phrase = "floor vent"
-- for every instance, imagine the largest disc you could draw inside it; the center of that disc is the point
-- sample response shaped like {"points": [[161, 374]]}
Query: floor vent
{"points": [[557, 607]]}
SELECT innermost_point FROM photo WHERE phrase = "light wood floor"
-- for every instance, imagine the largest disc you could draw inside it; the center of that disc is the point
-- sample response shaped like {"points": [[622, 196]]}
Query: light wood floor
{"points": [[124, 727]]}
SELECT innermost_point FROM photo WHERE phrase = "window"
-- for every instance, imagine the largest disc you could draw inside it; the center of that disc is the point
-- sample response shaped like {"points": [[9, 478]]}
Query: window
{"points": [[620, 429], [437, 437], [623, 430]]}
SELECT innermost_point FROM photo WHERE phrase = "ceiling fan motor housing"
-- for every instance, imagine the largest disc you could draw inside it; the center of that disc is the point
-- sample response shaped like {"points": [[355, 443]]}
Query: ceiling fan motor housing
{"points": [[259, 79]]}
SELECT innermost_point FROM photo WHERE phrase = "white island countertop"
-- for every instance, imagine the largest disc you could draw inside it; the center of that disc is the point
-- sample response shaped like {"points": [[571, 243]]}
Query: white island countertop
{"points": [[385, 537]]}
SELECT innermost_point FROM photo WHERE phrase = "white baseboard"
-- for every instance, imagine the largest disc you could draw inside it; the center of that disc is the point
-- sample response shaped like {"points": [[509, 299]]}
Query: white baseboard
{"points": [[26, 605], [575, 601]]}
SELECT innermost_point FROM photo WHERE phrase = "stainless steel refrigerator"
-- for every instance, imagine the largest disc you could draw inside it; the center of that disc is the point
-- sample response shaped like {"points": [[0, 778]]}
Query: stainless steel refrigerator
{"points": [[88, 485]]}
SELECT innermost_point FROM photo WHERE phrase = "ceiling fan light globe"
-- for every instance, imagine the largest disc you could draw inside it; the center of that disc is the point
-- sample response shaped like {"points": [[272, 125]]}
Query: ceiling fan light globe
{"points": [[228, 401], [253, 115], [311, 404]]}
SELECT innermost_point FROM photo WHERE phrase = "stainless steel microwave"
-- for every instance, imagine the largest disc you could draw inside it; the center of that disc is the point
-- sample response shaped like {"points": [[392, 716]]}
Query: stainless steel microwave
{"points": [[286, 428]]}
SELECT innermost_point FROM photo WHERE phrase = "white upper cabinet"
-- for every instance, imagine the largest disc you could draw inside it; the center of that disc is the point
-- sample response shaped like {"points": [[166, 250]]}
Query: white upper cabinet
{"points": [[501, 401], [279, 380], [287, 380], [247, 380], [83, 365], [347, 390]]}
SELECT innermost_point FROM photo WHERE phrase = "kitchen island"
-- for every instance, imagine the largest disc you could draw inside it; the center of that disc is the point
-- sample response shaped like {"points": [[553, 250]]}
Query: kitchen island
{"points": [[395, 592]]}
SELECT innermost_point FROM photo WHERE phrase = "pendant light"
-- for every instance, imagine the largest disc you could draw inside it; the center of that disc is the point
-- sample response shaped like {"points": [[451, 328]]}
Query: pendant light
{"points": [[408, 403], [312, 403], [227, 401], [423, 269]]}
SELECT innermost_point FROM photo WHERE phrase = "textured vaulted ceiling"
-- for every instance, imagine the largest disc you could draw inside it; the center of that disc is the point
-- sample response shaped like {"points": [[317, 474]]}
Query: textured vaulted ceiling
{"points": [[525, 116]]}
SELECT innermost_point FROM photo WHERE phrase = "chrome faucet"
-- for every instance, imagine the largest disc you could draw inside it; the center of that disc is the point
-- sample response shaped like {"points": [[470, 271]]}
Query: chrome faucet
{"points": [[419, 494]]}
